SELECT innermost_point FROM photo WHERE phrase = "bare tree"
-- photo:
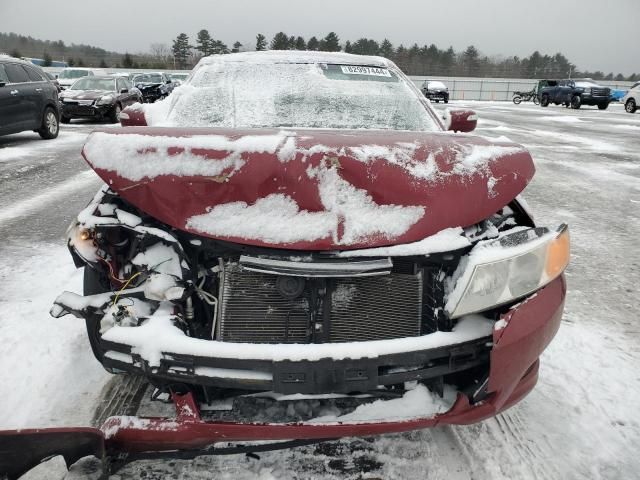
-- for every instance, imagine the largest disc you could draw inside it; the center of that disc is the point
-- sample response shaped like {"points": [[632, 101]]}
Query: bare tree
{"points": [[161, 55]]}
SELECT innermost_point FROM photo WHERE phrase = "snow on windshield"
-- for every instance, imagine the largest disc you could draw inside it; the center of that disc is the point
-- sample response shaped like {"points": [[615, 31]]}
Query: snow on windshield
{"points": [[436, 84], [73, 74], [307, 95], [91, 83]]}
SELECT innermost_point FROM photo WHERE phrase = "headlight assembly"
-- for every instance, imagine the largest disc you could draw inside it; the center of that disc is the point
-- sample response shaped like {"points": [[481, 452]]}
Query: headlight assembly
{"points": [[508, 268], [105, 100]]}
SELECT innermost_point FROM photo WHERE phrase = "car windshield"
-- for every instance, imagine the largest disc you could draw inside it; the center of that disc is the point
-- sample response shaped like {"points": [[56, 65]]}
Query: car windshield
{"points": [[437, 85], [586, 84], [92, 83], [70, 74], [249, 95], [148, 78]]}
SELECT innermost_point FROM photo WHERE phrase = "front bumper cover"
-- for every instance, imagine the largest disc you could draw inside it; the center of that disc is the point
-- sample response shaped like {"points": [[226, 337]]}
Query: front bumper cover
{"points": [[529, 327]]}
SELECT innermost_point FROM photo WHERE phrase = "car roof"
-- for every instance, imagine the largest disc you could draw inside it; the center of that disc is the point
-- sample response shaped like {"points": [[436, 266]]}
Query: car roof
{"points": [[294, 56], [9, 58], [100, 77]]}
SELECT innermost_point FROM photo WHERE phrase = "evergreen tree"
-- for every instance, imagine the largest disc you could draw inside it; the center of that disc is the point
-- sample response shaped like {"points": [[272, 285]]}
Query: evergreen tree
{"points": [[103, 64], [347, 47], [218, 47], [313, 44], [330, 43], [127, 61], [291, 44], [181, 50], [300, 44], [365, 46], [236, 47], [71, 62], [280, 41], [16, 53], [470, 61], [204, 43], [386, 49], [261, 42], [47, 59]]}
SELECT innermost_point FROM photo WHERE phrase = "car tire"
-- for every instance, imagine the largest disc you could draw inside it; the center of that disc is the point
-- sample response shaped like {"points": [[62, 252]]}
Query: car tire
{"points": [[517, 99], [50, 126], [576, 101], [94, 282], [64, 119], [603, 106], [114, 116], [544, 101], [446, 100], [630, 106]]}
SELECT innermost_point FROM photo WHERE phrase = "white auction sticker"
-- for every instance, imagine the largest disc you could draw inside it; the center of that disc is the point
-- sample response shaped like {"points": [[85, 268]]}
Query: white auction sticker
{"points": [[357, 70]]}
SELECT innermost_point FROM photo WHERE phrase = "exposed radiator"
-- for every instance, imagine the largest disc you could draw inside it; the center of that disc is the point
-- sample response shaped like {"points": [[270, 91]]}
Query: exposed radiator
{"points": [[376, 308], [361, 308]]}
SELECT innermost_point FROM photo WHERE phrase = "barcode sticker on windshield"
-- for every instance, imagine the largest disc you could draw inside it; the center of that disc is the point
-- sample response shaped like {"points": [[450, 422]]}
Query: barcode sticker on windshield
{"points": [[357, 70]]}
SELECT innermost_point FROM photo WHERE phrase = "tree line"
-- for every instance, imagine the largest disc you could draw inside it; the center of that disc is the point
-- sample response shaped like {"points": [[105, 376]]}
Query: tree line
{"points": [[427, 60]]}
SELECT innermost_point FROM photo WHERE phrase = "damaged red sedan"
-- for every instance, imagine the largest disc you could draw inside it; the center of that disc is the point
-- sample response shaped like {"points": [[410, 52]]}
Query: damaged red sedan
{"points": [[304, 226]]}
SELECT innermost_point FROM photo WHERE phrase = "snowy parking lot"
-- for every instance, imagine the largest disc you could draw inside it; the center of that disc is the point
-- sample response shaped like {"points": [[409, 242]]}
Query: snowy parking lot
{"points": [[581, 422]]}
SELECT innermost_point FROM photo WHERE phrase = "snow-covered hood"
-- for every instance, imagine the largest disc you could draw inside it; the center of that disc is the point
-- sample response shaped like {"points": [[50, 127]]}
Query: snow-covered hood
{"points": [[309, 189], [85, 94]]}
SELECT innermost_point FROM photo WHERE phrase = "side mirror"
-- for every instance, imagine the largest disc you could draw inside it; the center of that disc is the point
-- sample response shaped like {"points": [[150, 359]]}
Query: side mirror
{"points": [[124, 90], [168, 81], [56, 75], [2, 84], [133, 116], [460, 120]]}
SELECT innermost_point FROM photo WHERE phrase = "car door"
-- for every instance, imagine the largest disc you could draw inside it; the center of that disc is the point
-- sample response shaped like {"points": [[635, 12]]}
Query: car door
{"points": [[20, 91], [9, 105], [40, 90]]}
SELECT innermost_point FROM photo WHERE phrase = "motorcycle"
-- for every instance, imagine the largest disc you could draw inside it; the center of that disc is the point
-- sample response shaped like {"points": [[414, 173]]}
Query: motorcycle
{"points": [[519, 97]]}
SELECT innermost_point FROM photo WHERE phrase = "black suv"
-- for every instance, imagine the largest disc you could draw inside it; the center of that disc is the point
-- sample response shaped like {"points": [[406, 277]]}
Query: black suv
{"points": [[573, 93], [28, 100]]}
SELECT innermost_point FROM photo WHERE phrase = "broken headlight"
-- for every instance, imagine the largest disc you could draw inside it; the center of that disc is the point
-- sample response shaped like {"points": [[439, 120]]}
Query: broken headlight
{"points": [[513, 266]]}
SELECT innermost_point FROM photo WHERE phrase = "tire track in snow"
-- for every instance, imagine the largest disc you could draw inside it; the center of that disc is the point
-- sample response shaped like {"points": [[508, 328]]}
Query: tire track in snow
{"points": [[42, 200]]}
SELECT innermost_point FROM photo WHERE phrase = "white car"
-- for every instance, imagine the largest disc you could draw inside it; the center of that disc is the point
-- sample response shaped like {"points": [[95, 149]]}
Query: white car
{"points": [[70, 74], [632, 98]]}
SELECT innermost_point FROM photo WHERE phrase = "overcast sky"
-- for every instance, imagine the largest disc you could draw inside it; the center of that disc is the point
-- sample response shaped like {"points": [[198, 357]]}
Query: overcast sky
{"points": [[594, 34]]}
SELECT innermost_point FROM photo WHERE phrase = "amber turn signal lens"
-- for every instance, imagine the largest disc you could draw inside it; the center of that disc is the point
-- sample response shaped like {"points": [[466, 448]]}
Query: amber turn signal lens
{"points": [[558, 254]]}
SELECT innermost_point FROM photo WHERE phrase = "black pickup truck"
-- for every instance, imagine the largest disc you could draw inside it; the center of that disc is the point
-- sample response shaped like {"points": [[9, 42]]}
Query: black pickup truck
{"points": [[573, 93]]}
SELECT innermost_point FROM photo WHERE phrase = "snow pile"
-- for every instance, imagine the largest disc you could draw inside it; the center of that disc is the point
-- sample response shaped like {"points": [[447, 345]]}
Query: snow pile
{"points": [[275, 218], [418, 402], [136, 157], [158, 334], [350, 215], [444, 241]]}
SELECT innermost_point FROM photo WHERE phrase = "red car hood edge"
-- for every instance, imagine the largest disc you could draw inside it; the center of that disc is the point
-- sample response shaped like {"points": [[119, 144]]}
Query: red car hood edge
{"points": [[442, 175]]}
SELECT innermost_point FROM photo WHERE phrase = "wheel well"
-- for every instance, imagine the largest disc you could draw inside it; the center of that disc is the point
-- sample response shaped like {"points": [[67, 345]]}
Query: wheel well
{"points": [[53, 106]]}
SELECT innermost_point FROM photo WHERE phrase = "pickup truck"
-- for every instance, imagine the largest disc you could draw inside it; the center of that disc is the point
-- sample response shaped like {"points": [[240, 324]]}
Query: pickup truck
{"points": [[573, 93]]}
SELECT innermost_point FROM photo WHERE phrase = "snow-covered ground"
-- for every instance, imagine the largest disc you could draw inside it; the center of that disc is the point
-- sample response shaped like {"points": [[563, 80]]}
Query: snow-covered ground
{"points": [[581, 422]]}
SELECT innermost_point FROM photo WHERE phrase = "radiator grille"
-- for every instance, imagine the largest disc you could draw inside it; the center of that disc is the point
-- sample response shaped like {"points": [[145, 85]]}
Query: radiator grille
{"points": [[362, 309], [253, 311], [376, 308]]}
